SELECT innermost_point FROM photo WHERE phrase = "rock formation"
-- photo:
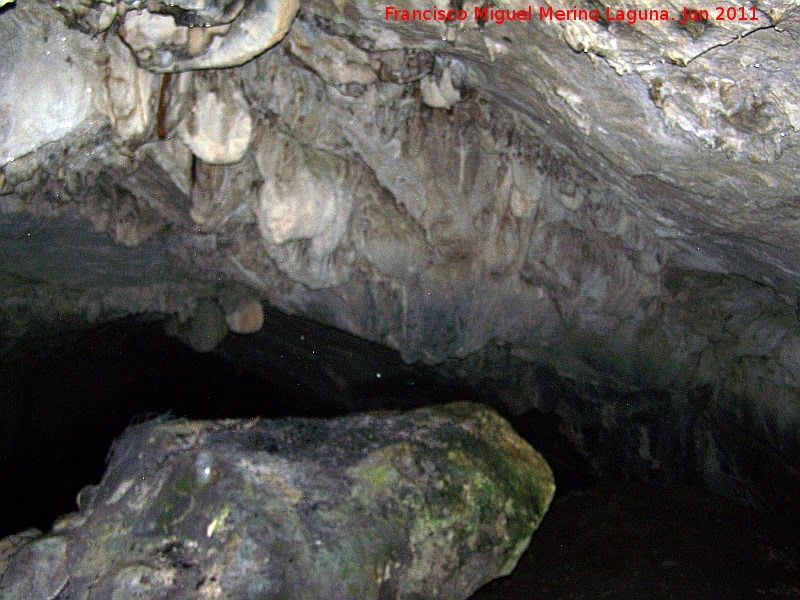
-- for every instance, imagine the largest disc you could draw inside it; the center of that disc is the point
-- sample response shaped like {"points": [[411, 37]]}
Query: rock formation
{"points": [[432, 503], [607, 193]]}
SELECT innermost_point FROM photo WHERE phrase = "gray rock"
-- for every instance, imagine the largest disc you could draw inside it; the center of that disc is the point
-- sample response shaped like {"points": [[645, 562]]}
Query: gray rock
{"points": [[47, 80], [431, 503], [204, 330], [615, 199], [38, 570]]}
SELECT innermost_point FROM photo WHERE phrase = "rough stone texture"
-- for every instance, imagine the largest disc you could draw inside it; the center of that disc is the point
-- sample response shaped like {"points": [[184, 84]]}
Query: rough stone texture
{"points": [[175, 36], [432, 503], [48, 80], [614, 198], [204, 330]]}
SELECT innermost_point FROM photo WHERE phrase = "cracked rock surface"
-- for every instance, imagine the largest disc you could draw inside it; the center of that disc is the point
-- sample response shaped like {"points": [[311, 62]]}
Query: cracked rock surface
{"points": [[615, 198], [431, 503]]}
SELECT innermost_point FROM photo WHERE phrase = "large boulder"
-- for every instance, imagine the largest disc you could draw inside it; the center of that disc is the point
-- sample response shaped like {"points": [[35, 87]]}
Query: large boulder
{"points": [[430, 503]]}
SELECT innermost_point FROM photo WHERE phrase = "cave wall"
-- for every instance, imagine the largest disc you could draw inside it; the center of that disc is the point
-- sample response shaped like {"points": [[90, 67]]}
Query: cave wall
{"points": [[615, 200]]}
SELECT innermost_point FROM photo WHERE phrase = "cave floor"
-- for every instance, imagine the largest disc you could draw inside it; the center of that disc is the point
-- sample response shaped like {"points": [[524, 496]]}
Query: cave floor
{"points": [[640, 541]]}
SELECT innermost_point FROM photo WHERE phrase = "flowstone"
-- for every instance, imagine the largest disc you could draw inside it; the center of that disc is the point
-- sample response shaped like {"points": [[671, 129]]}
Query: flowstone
{"points": [[427, 504]]}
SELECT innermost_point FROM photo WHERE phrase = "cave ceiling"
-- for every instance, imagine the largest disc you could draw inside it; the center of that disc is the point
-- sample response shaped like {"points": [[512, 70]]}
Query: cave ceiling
{"points": [[616, 197]]}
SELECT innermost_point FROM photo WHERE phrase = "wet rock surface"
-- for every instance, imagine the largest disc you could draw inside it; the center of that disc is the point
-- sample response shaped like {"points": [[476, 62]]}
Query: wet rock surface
{"points": [[435, 502]]}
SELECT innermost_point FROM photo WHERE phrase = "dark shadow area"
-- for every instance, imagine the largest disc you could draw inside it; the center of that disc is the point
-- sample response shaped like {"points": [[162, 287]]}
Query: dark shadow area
{"points": [[640, 541]]}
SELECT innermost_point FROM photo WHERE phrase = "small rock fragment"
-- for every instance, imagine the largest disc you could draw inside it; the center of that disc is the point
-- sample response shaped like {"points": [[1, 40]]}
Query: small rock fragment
{"points": [[205, 329], [248, 317]]}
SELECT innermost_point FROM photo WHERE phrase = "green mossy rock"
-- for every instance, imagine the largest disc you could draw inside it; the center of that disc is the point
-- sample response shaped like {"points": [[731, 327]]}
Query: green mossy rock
{"points": [[431, 503]]}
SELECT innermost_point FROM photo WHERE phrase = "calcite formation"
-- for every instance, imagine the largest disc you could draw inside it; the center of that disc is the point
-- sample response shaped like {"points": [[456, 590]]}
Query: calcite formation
{"points": [[184, 36], [427, 504], [216, 127], [49, 81]]}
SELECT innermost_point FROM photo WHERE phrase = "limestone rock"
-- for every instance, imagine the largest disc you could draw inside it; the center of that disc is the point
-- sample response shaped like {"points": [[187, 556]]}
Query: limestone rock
{"points": [[247, 317], [187, 36], [220, 192], [441, 93], [303, 208], [175, 159], [145, 33], [301, 197], [217, 126], [391, 241], [382, 147], [204, 330], [11, 545], [563, 189], [130, 92], [428, 504], [47, 82], [38, 570], [335, 59]]}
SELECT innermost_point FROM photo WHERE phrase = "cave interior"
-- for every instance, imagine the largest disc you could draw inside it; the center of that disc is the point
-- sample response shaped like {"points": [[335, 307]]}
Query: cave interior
{"points": [[267, 208]]}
